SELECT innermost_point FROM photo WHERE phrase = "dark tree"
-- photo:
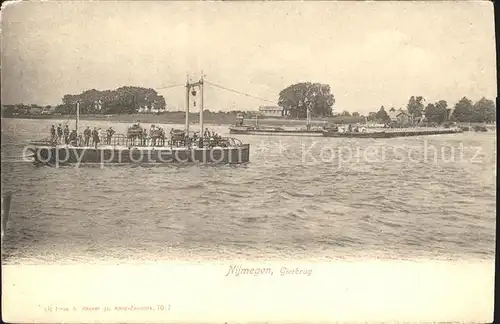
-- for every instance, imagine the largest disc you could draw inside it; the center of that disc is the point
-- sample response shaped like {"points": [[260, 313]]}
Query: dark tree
{"points": [[484, 111], [463, 110], [382, 115], [436, 113], [296, 99], [416, 106]]}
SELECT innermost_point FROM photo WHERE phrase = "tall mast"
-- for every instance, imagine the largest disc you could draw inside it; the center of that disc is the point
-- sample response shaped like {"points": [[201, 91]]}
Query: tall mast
{"points": [[77, 115], [308, 116], [201, 104], [187, 105]]}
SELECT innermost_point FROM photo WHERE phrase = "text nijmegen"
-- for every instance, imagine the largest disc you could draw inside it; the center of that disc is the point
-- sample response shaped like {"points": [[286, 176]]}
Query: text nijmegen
{"points": [[239, 270]]}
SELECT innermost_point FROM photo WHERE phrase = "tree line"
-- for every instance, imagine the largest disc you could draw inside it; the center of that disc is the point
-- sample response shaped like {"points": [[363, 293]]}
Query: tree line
{"points": [[297, 98], [465, 110], [124, 100]]}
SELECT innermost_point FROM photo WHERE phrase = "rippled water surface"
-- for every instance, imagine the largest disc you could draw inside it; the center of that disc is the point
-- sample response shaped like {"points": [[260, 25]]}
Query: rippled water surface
{"points": [[302, 198]]}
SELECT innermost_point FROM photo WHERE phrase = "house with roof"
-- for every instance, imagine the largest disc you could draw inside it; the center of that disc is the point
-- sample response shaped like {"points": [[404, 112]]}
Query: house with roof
{"points": [[48, 110], [400, 116], [271, 111], [35, 110]]}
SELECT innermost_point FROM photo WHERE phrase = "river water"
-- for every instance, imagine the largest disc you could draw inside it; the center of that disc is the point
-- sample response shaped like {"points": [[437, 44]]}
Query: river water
{"points": [[299, 198]]}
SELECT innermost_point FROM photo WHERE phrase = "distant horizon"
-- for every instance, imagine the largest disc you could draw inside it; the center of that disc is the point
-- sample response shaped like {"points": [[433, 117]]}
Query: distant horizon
{"points": [[335, 109], [256, 108]]}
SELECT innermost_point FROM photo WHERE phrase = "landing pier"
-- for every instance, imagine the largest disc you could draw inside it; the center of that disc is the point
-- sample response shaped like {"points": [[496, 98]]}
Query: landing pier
{"points": [[392, 132]]}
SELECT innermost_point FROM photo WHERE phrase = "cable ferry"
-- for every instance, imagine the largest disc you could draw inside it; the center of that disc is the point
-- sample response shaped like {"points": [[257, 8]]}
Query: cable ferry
{"points": [[240, 128], [137, 146]]}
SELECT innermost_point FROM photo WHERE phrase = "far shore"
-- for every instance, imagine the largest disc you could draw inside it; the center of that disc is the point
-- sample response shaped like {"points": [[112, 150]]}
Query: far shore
{"points": [[216, 119], [172, 118], [179, 118]]}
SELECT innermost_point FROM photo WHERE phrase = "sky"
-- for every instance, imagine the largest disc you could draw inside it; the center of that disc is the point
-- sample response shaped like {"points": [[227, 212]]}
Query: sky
{"points": [[370, 53]]}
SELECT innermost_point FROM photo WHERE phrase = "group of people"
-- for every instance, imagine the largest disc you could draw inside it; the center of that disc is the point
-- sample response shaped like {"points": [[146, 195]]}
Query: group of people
{"points": [[138, 134], [62, 135], [95, 136], [156, 134], [213, 138]]}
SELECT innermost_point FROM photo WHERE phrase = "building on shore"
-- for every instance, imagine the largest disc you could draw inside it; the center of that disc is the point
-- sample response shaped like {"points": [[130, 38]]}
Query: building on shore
{"points": [[48, 110], [400, 116], [271, 111], [150, 110]]}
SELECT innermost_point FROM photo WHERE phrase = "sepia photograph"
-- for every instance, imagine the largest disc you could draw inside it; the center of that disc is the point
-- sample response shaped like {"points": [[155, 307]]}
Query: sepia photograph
{"points": [[248, 161]]}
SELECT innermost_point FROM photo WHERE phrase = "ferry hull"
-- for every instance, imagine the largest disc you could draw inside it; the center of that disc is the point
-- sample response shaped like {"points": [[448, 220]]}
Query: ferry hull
{"points": [[141, 155], [389, 134], [270, 132]]}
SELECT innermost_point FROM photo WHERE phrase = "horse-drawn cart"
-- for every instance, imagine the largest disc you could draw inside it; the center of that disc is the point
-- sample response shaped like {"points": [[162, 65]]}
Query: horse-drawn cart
{"points": [[177, 137], [135, 131]]}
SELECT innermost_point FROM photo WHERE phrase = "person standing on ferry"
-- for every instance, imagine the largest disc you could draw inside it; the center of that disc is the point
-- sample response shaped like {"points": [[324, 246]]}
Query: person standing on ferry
{"points": [[144, 137], [73, 138], [101, 135], [59, 134], [53, 137], [66, 135], [110, 133], [95, 137], [162, 136], [86, 134], [152, 135]]}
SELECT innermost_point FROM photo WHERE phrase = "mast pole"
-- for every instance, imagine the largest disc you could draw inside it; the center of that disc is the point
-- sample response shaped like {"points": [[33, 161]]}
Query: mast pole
{"points": [[308, 116], [187, 105], [77, 116], [201, 104]]}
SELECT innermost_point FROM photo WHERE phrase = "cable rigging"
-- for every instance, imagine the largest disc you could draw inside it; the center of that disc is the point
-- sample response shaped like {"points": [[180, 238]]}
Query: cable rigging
{"points": [[218, 86], [169, 86], [238, 92]]}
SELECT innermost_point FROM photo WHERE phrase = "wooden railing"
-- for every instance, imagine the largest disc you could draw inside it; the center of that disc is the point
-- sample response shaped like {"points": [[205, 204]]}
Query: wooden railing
{"points": [[123, 140]]}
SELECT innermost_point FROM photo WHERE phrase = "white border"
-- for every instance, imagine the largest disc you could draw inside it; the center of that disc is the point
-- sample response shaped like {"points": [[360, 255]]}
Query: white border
{"points": [[339, 291]]}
